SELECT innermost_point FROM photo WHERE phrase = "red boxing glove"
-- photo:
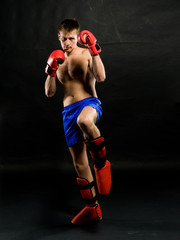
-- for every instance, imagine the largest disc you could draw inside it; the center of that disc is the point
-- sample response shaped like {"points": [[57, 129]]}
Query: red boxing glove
{"points": [[86, 38], [56, 57]]}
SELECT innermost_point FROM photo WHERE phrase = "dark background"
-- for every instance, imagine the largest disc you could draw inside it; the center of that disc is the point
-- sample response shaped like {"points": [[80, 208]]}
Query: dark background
{"points": [[141, 100], [140, 42]]}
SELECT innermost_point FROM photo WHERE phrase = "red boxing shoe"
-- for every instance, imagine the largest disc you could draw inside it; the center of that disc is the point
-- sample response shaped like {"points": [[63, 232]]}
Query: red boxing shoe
{"points": [[88, 214]]}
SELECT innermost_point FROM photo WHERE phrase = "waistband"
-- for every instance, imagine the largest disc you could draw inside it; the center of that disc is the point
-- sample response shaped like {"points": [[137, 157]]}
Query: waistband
{"points": [[85, 100]]}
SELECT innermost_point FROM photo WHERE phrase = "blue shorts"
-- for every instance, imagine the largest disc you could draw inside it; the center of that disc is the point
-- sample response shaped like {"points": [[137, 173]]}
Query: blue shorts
{"points": [[70, 114]]}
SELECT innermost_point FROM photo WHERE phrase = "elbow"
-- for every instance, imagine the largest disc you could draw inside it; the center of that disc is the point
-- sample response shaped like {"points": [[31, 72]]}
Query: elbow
{"points": [[49, 93], [101, 78]]}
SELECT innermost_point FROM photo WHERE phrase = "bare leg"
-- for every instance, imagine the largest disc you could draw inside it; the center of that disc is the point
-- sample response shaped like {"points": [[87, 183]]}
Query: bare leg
{"points": [[81, 163]]}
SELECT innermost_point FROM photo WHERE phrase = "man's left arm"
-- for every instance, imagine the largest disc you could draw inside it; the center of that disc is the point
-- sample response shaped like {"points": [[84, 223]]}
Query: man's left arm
{"points": [[98, 68], [86, 38]]}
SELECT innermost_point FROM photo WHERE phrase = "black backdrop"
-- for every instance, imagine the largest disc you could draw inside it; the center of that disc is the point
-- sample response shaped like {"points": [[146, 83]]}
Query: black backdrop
{"points": [[141, 95]]}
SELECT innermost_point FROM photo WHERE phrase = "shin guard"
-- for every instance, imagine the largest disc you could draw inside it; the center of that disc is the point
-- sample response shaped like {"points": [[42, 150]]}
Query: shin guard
{"points": [[92, 210], [102, 167]]}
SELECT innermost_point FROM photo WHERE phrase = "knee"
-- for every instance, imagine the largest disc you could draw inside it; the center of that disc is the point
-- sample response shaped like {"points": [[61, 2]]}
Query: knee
{"points": [[81, 168], [84, 123]]}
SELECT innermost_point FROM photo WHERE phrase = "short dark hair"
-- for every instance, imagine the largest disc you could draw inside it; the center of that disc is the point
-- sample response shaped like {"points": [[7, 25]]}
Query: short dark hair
{"points": [[69, 24]]}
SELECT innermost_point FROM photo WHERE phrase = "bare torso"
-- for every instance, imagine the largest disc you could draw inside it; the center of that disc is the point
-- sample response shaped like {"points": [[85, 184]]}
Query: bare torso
{"points": [[76, 76]]}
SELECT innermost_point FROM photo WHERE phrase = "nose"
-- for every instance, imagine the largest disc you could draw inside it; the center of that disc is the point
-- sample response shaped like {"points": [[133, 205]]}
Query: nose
{"points": [[67, 42]]}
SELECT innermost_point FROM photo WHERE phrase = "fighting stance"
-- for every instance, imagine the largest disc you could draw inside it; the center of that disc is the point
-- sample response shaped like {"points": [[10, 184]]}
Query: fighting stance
{"points": [[78, 69]]}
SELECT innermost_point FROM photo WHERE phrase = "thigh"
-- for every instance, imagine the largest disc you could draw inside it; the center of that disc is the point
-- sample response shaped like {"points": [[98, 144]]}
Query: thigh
{"points": [[90, 113]]}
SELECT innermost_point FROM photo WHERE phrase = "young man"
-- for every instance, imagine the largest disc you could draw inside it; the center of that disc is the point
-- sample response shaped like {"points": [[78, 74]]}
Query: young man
{"points": [[78, 69]]}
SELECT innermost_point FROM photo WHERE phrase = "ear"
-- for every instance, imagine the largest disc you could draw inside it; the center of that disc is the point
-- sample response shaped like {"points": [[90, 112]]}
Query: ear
{"points": [[59, 36]]}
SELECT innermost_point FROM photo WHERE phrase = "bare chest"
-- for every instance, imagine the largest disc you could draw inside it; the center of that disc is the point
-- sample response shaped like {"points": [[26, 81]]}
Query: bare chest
{"points": [[74, 68]]}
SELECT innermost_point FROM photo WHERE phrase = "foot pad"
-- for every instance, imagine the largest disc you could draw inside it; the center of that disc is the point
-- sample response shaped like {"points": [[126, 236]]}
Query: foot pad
{"points": [[88, 214]]}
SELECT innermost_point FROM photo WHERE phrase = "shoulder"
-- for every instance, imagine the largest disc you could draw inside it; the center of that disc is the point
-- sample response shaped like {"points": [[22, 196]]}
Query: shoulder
{"points": [[86, 55], [84, 52]]}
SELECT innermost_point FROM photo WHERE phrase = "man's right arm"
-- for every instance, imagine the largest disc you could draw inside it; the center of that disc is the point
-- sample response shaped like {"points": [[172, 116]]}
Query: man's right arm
{"points": [[50, 86], [56, 57]]}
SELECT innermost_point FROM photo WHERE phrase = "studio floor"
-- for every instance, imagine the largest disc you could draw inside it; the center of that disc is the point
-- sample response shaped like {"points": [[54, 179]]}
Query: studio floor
{"points": [[39, 205]]}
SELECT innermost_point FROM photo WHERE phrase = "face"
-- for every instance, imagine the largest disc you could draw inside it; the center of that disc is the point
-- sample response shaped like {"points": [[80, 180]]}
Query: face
{"points": [[68, 40]]}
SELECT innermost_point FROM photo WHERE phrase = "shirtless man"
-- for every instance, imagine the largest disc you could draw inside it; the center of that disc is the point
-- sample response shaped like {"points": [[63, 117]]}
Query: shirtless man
{"points": [[78, 69]]}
